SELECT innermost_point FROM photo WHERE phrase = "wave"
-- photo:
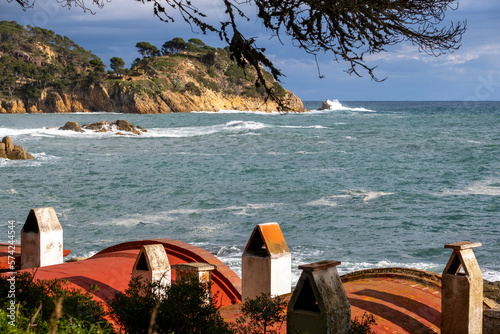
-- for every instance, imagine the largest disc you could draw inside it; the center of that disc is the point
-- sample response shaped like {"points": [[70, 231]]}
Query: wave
{"points": [[335, 105], [356, 196], [304, 127], [173, 215], [182, 132], [53, 132], [238, 112], [229, 127], [45, 157], [490, 187], [491, 275]]}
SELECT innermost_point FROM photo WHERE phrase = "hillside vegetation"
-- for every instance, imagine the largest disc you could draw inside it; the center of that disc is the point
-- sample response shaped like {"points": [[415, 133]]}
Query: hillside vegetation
{"points": [[41, 71]]}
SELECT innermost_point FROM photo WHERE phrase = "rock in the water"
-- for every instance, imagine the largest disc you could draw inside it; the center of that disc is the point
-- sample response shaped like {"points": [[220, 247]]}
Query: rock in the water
{"points": [[330, 105], [101, 126], [325, 105], [14, 152], [120, 125], [73, 126], [9, 146]]}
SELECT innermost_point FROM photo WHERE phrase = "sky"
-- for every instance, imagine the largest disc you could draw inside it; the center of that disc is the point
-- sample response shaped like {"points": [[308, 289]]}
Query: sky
{"points": [[470, 74]]}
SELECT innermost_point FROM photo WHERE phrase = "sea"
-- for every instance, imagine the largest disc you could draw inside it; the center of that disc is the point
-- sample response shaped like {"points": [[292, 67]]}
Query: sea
{"points": [[370, 184]]}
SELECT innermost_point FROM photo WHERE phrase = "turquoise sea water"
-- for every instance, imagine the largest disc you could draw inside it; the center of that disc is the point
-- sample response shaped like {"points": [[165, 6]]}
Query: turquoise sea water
{"points": [[371, 184]]}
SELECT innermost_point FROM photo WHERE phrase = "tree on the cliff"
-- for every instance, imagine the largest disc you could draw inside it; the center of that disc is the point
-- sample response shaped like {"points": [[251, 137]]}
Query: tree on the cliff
{"points": [[96, 74], [8, 82], [174, 46], [146, 49], [197, 42], [347, 30], [117, 64]]}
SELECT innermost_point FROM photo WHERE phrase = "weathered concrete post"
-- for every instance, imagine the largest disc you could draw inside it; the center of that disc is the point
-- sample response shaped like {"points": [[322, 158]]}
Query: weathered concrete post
{"points": [[41, 239], [462, 291], [266, 263], [200, 270], [153, 266], [319, 302]]}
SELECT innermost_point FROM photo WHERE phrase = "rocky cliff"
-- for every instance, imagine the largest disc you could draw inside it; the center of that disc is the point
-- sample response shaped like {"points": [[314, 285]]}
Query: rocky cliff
{"points": [[41, 72], [117, 99]]}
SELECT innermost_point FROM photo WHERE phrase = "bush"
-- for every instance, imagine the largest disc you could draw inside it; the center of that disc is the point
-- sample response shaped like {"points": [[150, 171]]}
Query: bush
{"points": [[49, 306], [261, 315], [363, 326], [211, 73], [235, 73], [182, 308], [191, 87]]}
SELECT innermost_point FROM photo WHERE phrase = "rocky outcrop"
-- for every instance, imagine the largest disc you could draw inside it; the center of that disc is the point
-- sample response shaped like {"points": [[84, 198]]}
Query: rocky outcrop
{"points": [[119, 99], [120, 126], [72, 126], [325, 105], [491, 290], [14, 152]]}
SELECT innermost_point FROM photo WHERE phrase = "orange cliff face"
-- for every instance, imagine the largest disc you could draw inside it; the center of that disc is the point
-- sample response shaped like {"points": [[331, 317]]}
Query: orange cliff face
{"points": [[118, 99]]}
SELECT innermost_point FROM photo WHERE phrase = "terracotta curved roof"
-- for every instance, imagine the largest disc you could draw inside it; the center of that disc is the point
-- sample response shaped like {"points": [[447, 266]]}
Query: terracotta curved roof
{"points": [[401, 300], [111, 269]]}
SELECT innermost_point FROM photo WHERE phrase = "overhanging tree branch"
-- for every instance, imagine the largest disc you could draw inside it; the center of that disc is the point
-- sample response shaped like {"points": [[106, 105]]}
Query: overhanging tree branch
{"points": [[348, 30]]}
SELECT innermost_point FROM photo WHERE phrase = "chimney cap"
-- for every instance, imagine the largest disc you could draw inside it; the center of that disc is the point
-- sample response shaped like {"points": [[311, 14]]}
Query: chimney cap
{"points": [[463, 245], [320, 265]]}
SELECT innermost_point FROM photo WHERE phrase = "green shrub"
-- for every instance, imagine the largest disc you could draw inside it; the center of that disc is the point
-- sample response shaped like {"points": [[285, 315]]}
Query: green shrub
{"points": [[191, 87], [180, 308], [235, 73], [211, 73], [363, 326], [37, 311], [176, 82], [263, 314]]}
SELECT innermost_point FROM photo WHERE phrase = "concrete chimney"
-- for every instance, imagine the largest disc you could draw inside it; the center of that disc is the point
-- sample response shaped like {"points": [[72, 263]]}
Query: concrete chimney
{"points": [[152, 265], [41, 239], [319, 303], [200, 270], [266, 263], [462, 291]]}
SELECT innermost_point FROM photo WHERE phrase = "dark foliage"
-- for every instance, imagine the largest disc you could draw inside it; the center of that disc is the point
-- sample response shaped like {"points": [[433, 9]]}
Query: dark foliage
{"points": [[146, 49], [180, 308], [117, 64], [37, 306], [363, 326], [263, 314]]}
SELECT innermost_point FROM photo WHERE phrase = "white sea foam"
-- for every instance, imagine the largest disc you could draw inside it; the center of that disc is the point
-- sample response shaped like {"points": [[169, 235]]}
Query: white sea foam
{"points": [[350, 197], [222, 111], [45, 157], [304, 127], [335, 105], [51, 132], [193, 131], [173, 215], [491, 274], [83, 254], [490, 187], [348, 267], [111, 131]]}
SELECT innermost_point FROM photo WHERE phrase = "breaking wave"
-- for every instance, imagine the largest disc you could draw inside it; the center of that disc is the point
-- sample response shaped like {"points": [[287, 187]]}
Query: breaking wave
{"points": [[335, 105]]}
